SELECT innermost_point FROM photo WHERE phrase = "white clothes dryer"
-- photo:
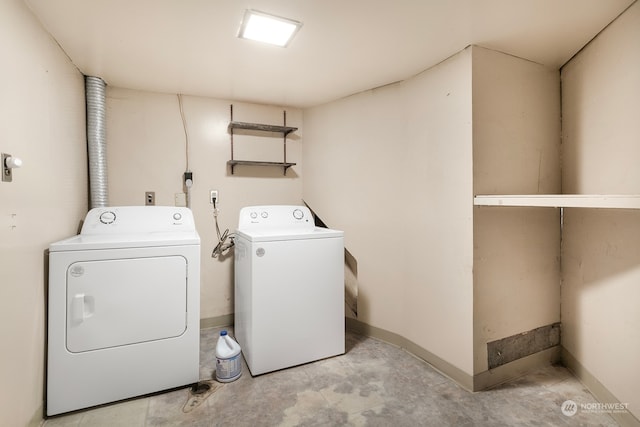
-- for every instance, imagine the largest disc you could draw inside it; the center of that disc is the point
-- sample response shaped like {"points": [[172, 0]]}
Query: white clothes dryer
{"points": [[289, 288], [124, 307]]}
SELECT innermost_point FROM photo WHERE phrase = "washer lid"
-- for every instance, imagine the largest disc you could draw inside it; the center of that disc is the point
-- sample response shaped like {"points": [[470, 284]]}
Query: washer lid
{"points": [[271, 235]]}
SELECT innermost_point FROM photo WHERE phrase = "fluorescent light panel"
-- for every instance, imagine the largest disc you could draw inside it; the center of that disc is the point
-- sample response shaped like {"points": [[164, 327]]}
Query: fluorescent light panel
{"points": [[262, 27]]}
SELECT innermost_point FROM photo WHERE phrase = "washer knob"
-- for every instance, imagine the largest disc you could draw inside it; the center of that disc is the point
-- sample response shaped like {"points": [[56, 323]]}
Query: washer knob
{"points": [[298, 214], [264, 214], [253, 215], [107, 217], [177, 216]]}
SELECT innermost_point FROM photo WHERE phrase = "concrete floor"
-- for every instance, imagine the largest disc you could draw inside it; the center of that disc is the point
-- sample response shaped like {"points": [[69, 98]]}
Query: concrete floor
{"points": [[373, 384]]}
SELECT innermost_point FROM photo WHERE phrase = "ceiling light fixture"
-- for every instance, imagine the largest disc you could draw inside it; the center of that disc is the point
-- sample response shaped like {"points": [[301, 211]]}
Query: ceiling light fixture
{"points": [[262, 27]]}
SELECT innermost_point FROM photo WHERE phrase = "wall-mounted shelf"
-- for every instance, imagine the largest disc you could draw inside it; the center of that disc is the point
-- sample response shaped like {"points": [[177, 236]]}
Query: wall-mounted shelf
{"points": [[597, 201], [283, 130]]}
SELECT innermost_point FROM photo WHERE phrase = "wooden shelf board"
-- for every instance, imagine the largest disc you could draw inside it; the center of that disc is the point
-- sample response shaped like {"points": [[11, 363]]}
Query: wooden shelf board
{"points": [[259, 163], [598, 201], [285, 130]]}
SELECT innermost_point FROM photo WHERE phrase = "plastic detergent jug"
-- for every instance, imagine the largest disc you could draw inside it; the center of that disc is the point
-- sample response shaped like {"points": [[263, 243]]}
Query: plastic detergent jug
{"points": [[228, 359]]}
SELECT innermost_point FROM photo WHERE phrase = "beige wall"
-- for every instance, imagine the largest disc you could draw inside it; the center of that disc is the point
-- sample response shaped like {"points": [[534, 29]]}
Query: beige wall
{"points": [[393, 168], [601, 249], [146, 152], [516, 150], [406, 160], [42, 122]]}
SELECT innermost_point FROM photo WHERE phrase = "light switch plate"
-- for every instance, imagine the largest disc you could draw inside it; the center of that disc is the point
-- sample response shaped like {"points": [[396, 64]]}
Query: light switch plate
{"points": [[7, 175]]}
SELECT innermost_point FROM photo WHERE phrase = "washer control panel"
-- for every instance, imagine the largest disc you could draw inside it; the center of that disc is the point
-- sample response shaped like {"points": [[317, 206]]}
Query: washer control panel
{"points": [[137, 219], [275, 217]]}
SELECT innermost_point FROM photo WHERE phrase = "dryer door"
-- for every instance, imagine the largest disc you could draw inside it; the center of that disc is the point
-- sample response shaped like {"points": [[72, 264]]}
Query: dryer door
{"points": [[118, 302]]}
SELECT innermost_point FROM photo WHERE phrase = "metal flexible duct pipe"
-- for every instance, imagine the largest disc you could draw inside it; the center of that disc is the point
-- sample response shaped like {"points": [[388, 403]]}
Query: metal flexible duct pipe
{"points": [[95, 89]]}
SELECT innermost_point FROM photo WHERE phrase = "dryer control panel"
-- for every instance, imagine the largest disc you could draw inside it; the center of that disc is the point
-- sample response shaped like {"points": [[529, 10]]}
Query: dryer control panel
{"points": [[275, 217], [137, 219]]}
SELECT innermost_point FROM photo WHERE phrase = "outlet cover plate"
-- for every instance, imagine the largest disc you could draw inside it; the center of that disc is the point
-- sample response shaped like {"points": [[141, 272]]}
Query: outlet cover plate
{"points": [[150, 198], [180, 200]]}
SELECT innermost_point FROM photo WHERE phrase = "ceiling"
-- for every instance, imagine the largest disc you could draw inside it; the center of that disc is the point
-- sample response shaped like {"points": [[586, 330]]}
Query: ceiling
{"points": [[344, 46]]}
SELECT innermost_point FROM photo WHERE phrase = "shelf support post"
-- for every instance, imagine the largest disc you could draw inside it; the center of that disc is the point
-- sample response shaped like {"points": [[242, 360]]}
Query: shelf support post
{"points": [[284, 136], [231, 132]]}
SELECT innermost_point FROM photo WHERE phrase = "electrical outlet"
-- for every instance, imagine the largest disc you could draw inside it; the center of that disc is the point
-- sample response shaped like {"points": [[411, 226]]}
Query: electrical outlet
{"points": [[214, 196], [150, 198]]}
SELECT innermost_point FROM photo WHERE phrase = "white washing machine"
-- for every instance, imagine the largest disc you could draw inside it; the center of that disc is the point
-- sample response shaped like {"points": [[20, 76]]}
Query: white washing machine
{"points": [[124, 307], [289, 288]]}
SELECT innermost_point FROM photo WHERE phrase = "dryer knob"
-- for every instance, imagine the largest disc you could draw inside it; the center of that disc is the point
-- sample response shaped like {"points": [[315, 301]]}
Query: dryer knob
{"points": [[298, 214], [177, 216], [107, 217], [253, 215], [264, 214]]}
